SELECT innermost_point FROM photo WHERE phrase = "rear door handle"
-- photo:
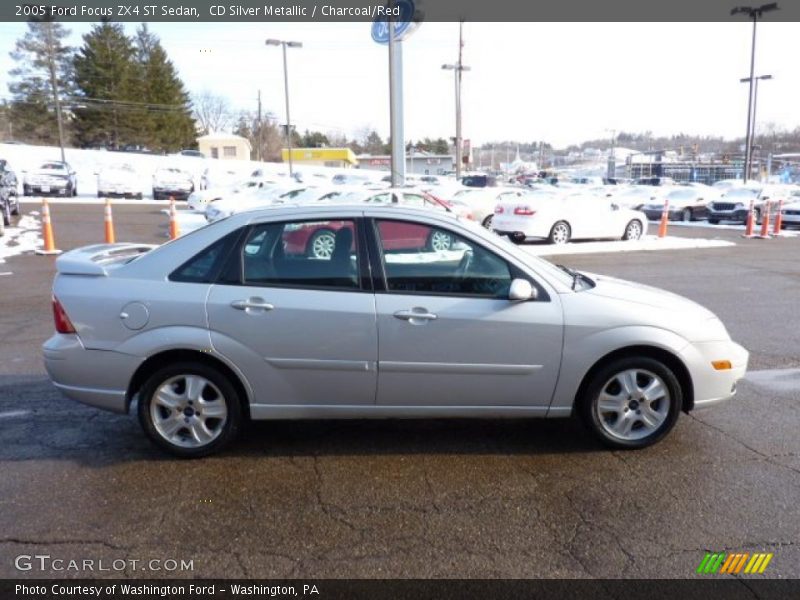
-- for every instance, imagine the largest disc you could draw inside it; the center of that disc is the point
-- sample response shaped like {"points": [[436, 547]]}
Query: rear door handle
{"points": [[252, 303], [415, 314]]}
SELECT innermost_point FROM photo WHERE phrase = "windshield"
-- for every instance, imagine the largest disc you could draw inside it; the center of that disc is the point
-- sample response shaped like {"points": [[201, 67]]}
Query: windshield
{"points": [[681, 194]]}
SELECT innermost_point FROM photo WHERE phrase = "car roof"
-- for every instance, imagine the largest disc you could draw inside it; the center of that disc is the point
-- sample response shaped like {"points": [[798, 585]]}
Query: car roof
{"points": [[289, 210]]}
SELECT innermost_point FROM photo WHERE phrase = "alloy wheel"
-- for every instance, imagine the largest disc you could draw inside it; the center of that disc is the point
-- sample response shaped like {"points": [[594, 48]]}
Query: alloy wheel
{"points": [[633, 404], [188, 411], [440, 241], [322, 245]]}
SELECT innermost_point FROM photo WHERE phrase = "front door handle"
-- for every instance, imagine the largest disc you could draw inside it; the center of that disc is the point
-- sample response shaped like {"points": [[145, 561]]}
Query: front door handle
{"points": [[415, 314], [257, 303]]}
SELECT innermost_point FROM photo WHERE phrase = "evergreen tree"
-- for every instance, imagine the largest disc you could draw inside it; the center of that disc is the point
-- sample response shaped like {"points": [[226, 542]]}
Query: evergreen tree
{"points": [[167, 122], [43, 65], [106, 77]]}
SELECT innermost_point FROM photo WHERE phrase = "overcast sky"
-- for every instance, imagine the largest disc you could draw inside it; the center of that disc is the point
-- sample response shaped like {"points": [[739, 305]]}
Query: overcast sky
{"points": [[562, 83]]}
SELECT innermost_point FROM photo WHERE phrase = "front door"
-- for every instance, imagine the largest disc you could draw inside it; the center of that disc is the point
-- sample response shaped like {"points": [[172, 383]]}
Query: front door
{"points": [[293, 314], [449, 336]]}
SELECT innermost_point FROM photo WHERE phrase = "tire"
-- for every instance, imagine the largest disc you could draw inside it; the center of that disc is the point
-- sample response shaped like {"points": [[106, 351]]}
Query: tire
{"points": [[686, 215], [756, 217], [2, 227], [713, 221], [487, 222], [15, 210], [560, 233], [633, 231], [74, 191], [6, 210], [321, 244], [618, 418], [26, 191], [181, 432], [156, 195], [439, 241]]}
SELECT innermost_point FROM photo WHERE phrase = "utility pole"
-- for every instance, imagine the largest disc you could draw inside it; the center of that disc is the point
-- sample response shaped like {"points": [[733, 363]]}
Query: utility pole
{"points": [[284, 44], [458, 68], [753, 12]]}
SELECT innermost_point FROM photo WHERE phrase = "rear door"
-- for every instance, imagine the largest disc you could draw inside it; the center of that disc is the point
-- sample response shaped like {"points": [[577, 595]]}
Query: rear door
{"points": [[299, 323]]}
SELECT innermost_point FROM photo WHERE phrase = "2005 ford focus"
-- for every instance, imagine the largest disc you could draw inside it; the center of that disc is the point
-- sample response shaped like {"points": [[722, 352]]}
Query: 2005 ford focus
{"points": [[409, 313]]}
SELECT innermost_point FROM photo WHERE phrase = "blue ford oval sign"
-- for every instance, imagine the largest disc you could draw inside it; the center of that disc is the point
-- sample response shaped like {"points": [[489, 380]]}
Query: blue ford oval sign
{"points": [[380, 27]]}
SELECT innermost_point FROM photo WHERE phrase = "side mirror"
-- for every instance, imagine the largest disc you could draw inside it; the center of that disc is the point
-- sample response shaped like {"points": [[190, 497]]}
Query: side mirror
{"points": [[521, 290], [615, 207]]}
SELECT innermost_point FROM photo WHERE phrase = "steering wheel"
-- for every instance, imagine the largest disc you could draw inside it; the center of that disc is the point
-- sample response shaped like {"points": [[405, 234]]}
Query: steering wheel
{"points": [[464, 264]]}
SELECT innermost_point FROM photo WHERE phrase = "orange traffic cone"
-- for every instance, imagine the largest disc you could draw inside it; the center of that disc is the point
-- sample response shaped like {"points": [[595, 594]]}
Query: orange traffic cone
{"points": [[765, 223], [748, 230], [109, 222], [778, 219], [662, 228], [47, 231], [174, 230]]}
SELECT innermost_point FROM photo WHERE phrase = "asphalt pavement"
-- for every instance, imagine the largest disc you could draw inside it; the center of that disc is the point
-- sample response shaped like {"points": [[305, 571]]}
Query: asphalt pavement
{"points": [[422, 498]]}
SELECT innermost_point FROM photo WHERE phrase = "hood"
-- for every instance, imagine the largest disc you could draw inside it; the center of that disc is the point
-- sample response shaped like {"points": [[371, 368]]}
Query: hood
{"points": [[645, 295]]}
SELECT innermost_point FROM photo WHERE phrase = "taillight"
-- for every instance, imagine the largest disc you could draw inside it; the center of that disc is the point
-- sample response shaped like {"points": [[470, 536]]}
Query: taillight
{"points": [[524, 211], [498, 210], [63, 324]]}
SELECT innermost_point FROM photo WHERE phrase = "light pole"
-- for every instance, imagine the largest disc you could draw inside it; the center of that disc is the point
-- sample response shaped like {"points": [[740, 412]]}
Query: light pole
{"points": [[752, 12], [284, 45], [753, 121], [611, 166], [458, 68]]}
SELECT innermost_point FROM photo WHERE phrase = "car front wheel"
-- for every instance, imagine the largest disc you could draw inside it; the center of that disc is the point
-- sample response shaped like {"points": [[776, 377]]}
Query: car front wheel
{"points": [[631, 402], [189, 409]]}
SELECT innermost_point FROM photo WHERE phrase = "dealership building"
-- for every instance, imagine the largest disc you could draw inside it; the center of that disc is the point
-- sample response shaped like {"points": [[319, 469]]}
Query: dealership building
{"points": [[418, 163]]}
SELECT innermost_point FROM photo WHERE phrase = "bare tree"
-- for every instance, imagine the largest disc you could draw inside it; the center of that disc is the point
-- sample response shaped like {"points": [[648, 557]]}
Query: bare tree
{"points": [[211, 112]]}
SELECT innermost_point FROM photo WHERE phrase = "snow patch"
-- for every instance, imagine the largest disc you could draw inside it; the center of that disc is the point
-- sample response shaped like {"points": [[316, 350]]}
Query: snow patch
{"points": [[25, 237], [649, 242]]}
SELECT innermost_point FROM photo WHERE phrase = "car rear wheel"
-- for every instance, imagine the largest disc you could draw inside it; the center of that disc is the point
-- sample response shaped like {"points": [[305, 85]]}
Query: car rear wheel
{"points": [[633, 231], [631, 402], [560, 233], [321, 244], [439, 241], [756, 216], [189, 409]]}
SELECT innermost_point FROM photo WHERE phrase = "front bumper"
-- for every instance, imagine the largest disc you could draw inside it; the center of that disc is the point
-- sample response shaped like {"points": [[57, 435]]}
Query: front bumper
{"points": [[95, 377], [710, 385], [55, 187], [739, 214]]}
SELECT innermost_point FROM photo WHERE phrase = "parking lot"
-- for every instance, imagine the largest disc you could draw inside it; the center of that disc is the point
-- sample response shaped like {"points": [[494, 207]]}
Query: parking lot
{"points": [[516, 499]]}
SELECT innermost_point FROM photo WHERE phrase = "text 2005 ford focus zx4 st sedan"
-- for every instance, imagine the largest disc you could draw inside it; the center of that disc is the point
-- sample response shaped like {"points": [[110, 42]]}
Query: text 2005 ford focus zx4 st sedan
{"points": [[410, 313]]}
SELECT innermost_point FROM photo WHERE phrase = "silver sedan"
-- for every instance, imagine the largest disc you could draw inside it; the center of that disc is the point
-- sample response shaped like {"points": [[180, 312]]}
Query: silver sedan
{"points": [[242, 319]]}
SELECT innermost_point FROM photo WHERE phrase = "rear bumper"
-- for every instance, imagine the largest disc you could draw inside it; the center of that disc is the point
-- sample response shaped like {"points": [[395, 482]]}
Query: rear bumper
{"points": [[95, 377]]}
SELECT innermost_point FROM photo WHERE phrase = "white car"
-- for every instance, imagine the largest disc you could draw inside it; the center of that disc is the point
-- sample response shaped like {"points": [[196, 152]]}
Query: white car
{"points": [[260, 197], [482, 201], [121, 181], [636, 196], [172, 182], [790, 213], [51, 177], [565, 218]]}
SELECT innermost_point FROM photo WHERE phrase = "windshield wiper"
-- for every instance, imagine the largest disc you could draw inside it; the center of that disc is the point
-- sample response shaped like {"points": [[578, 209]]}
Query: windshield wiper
{"points": [[576, 276]]}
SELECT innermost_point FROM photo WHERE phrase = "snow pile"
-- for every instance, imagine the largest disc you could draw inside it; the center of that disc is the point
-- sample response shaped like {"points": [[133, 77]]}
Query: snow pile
{"points": [[25, 237]]}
